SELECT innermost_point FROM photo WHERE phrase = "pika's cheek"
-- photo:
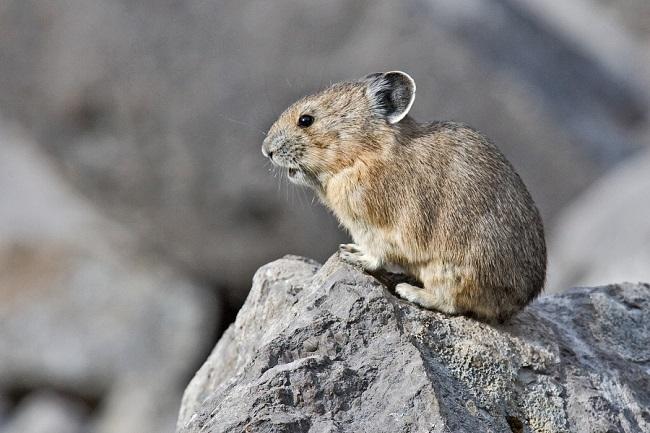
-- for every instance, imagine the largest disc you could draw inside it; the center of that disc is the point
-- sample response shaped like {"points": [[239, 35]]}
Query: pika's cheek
{"points": [[314, 155], [322, 159], [326, 140], [320, 142]]}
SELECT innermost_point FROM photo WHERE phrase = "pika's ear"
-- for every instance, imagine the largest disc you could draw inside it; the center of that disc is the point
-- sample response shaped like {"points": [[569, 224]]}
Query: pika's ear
{"points": [[391, 94]]}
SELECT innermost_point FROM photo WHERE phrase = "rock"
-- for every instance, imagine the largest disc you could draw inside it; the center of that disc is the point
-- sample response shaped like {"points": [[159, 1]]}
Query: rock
{"points": [[86, 313], [47, 413], [164, 131], [603, 235], [331, 349], [626, 50]]}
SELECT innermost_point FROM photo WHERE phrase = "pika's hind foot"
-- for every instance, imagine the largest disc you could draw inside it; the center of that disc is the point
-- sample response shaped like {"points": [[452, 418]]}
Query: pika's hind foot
{"points": [[354, 255], [432, 300]]}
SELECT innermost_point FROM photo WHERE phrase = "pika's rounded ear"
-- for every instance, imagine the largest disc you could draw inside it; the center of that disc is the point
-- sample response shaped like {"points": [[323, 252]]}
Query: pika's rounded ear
{"points": [[391, 94]]}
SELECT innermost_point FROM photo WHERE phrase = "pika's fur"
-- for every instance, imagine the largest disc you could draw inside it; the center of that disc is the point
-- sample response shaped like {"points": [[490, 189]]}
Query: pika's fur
{"points": [[437, 199]]}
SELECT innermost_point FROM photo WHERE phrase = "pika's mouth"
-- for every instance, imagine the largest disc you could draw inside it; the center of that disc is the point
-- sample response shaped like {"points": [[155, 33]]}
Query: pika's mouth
{"points": [[301, 176]]}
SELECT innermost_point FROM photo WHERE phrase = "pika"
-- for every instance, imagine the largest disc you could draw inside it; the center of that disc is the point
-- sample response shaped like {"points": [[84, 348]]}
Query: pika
{"points": [[437, 199]]}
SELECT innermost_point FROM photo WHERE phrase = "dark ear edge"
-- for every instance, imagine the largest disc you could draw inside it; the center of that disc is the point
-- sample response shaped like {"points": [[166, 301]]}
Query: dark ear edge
{"points": [[391, 94]]}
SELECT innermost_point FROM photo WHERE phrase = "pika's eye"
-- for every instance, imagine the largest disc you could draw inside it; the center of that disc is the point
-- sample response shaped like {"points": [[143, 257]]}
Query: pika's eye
{"points": [[305, 120]]}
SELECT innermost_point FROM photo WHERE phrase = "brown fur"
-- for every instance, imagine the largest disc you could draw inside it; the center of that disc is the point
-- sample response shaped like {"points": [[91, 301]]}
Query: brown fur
{"points": [[438, 199]]}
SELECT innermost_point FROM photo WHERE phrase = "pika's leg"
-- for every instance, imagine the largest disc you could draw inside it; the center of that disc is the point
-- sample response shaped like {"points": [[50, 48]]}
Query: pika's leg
{"points": [[354, 255], [432, 298]]}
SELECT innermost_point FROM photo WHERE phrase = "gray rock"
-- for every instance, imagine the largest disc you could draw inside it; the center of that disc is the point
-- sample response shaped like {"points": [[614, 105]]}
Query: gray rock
{"points": [[604, 234], [331, 349], [85, 312], [47, 413]]}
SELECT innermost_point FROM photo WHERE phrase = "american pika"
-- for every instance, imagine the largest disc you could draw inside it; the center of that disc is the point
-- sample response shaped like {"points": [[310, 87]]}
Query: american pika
{"points": [[438, 199]]}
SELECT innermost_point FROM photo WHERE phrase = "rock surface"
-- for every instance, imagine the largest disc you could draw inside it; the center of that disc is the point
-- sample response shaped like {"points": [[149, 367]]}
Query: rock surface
{"points": [[331, 349]]}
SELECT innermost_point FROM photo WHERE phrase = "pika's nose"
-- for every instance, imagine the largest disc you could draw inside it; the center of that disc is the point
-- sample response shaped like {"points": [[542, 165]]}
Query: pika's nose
{"points": [[272, 144], [266, 148]]}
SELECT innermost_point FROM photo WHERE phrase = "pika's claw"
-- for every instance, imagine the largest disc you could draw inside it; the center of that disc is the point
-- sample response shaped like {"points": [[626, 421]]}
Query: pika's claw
{"points": [[353, 254], [352, 248]]}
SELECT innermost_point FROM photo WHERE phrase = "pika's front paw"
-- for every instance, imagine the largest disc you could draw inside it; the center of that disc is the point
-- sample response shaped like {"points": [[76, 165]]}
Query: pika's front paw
{"points": [[427, 298], [353, 254], [409, 292]]}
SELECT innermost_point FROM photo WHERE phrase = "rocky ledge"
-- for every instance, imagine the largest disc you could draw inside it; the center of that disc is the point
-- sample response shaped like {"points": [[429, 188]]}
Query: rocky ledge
{"points": [[332, 349]]}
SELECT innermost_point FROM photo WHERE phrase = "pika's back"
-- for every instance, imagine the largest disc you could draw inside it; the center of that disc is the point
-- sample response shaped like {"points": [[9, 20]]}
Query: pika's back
{"points": [[469, 198]]}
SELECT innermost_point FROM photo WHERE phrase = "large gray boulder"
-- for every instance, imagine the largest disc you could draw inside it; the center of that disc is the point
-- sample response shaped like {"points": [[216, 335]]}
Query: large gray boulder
{"points": [[331, 349]]}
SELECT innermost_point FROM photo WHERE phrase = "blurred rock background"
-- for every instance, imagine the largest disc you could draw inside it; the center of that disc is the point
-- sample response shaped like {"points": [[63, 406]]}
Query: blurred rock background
{"points": [[135, 204]]}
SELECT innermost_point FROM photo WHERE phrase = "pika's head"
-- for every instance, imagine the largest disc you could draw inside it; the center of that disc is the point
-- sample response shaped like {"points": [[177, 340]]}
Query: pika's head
{"points": [[324, 133]]}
